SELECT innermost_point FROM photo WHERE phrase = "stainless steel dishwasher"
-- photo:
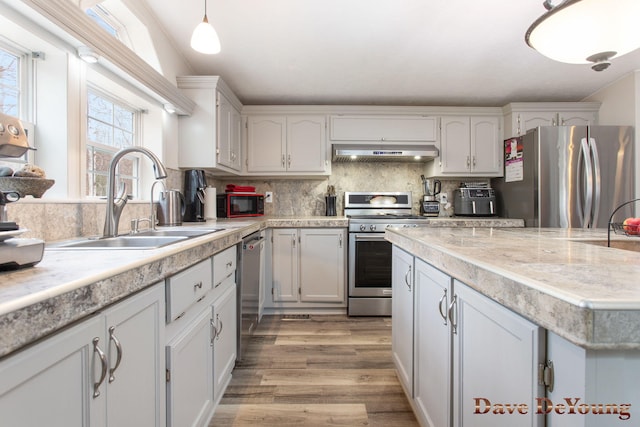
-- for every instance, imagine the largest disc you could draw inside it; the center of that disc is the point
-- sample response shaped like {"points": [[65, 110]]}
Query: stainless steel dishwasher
{"points": [[248, 288]]}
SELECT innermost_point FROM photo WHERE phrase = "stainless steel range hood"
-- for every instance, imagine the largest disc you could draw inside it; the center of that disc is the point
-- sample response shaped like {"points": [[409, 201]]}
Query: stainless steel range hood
{"points": [[384, 153]]}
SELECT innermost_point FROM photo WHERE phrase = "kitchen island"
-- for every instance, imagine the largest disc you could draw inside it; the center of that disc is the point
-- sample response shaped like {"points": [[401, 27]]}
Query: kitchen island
{"points": [[542, 321]]}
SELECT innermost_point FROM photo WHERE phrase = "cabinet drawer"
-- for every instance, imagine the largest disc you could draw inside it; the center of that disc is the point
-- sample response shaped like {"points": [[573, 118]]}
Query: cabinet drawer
{"points": [[224, 264], [187, 287]]}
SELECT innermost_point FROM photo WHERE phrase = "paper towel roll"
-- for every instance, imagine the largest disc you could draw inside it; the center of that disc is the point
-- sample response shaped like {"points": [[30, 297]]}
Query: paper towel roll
{"points": [[210, 203]]}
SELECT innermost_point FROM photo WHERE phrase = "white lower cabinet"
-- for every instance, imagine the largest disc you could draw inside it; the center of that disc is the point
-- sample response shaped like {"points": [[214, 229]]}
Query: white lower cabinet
{"points": [[402, 317], [468, 358], [591, 388], [496, 354], [433, 346], [106, 371], [308, 268], [201, 343]]}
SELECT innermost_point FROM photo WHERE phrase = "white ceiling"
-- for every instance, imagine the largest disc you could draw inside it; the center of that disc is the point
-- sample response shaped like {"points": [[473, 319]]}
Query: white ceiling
{"points": [[381, 52]]}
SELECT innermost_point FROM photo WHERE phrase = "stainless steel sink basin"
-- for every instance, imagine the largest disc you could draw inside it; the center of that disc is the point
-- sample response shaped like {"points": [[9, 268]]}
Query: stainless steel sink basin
{"points": [[150, 239], [121, 242], [627, 245], [177, 232]]}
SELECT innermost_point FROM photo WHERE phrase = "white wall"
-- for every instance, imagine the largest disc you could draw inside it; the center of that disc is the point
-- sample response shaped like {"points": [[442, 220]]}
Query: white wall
{"points": [[621, 106]]}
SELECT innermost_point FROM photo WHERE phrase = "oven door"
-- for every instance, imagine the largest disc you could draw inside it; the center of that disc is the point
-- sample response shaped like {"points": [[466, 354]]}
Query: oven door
{"points": [[369, 265]]}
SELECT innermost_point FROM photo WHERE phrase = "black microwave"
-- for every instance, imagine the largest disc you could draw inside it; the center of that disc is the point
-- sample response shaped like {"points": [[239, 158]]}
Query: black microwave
{"points": [[234, 205]]}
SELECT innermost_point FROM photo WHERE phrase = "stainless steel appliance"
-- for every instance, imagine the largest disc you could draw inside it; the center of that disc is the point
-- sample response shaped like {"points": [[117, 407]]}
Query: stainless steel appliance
{"points": [[248, 288], [15, 252], [568, 176], [380, 153], [474, 199], [369, 260], [430, 206], [171, 207], [194, 186]]}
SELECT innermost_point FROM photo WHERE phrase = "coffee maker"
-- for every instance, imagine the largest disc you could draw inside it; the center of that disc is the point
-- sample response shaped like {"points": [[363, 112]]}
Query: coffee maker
{"points": [[429, 205], [194, 188]]}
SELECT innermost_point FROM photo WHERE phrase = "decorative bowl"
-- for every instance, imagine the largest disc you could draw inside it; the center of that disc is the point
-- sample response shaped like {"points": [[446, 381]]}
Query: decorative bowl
{"points": [[26, 186]]}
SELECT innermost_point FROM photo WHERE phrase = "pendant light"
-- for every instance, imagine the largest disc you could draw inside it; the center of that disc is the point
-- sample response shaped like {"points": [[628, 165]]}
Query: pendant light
{"points": [[204, 38], [586, 31]]}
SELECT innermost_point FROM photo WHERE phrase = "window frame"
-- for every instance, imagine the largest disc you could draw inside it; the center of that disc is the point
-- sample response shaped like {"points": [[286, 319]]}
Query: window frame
{"points": [[88, 176], [26, 98]]}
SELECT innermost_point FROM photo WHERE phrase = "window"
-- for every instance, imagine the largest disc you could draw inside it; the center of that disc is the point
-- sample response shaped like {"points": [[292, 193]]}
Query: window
{"points": [[111, 126], [13, 87], [9, 83]]}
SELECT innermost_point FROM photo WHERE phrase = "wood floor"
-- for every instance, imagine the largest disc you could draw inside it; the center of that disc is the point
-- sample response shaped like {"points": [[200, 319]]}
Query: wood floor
{"points": [[320, 371]]}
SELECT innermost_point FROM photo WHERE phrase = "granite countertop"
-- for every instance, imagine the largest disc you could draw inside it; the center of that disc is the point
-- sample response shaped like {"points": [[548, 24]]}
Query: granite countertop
{"points": [[65, 287], [588, 294]]}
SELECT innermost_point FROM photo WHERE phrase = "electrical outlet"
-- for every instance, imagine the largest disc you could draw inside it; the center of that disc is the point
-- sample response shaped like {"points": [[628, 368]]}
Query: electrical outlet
{"points": [[268, 197], [443, 198]]}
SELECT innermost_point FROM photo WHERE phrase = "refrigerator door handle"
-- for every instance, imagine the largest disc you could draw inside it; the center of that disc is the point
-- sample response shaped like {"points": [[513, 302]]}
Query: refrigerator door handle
{"points": [[597, 181], [588, 177]]}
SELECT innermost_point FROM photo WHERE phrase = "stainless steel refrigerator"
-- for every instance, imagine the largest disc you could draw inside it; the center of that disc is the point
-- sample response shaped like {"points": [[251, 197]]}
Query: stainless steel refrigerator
{"points": [[568, 176]]}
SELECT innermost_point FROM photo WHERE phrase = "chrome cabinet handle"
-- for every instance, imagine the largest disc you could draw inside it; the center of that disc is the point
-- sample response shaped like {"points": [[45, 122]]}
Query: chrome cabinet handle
{"points": [[219, 331], [116, 342], [197, 286], [229, 264], [453, 306], [212, 332], [340, 241], [406, 278], [283, 160], [443, 302], [103, 371], [289, 160]]}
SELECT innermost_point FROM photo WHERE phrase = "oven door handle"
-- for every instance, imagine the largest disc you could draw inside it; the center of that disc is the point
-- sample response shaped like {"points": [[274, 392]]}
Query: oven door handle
{"points": [[369, 237]]}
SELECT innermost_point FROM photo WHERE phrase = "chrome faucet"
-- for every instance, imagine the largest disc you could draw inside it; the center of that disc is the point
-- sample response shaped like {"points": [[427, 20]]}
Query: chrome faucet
{"points": [[115, 205]]}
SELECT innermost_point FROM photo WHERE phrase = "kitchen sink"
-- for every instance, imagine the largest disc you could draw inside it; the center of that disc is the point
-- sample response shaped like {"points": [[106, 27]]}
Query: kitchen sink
{"points": [[627, 245], [150, 239], [176, 232]]}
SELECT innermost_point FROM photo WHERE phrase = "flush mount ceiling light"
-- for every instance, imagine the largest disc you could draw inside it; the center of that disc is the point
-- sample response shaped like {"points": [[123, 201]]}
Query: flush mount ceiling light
{"points": [[204, 38], [88, 55], [586, 31]]}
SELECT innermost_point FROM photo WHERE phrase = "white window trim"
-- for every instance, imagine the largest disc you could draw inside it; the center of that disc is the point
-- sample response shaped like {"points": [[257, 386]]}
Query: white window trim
{"points": [[137, 139]]}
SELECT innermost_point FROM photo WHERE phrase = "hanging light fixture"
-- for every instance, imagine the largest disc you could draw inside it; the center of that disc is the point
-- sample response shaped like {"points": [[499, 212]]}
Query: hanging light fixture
{"points": [[204, 38], [586, 31]]}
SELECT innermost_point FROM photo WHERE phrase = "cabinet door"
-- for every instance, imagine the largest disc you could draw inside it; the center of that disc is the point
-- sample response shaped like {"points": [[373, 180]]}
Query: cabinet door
{"points": [[229, 123], [266, 144], [432, 342], [532, 119], [495, 359], [136, 381], [486, 144], [385, 129], [285, 265], [581, 118], [51, 383], [322, 265], [306, 144], [224, 343], [455, 145], [190, 374], [402, 317]]}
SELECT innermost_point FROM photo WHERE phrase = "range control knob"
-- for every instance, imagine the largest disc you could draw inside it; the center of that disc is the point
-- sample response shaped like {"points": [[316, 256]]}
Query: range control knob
{"points": [[363, 227], [372, 227]]}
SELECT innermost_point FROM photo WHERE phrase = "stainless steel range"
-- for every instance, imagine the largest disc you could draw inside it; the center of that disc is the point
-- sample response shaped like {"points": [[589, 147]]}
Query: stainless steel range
{"points": [[370, 213]]}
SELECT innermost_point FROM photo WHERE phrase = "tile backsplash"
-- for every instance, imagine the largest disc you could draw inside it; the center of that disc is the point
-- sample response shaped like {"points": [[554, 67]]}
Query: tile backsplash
{"points": [[57, 220]]}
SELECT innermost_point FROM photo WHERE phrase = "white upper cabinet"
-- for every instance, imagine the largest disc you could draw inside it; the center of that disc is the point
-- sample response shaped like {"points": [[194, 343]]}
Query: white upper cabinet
{"points": [[470, 146], [287, 145], [519, 117], [384, 129], [211, 137]]}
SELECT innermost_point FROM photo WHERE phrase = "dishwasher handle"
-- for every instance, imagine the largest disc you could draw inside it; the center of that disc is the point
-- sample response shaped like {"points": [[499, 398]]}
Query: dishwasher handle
{"points": [[252, 244]]}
